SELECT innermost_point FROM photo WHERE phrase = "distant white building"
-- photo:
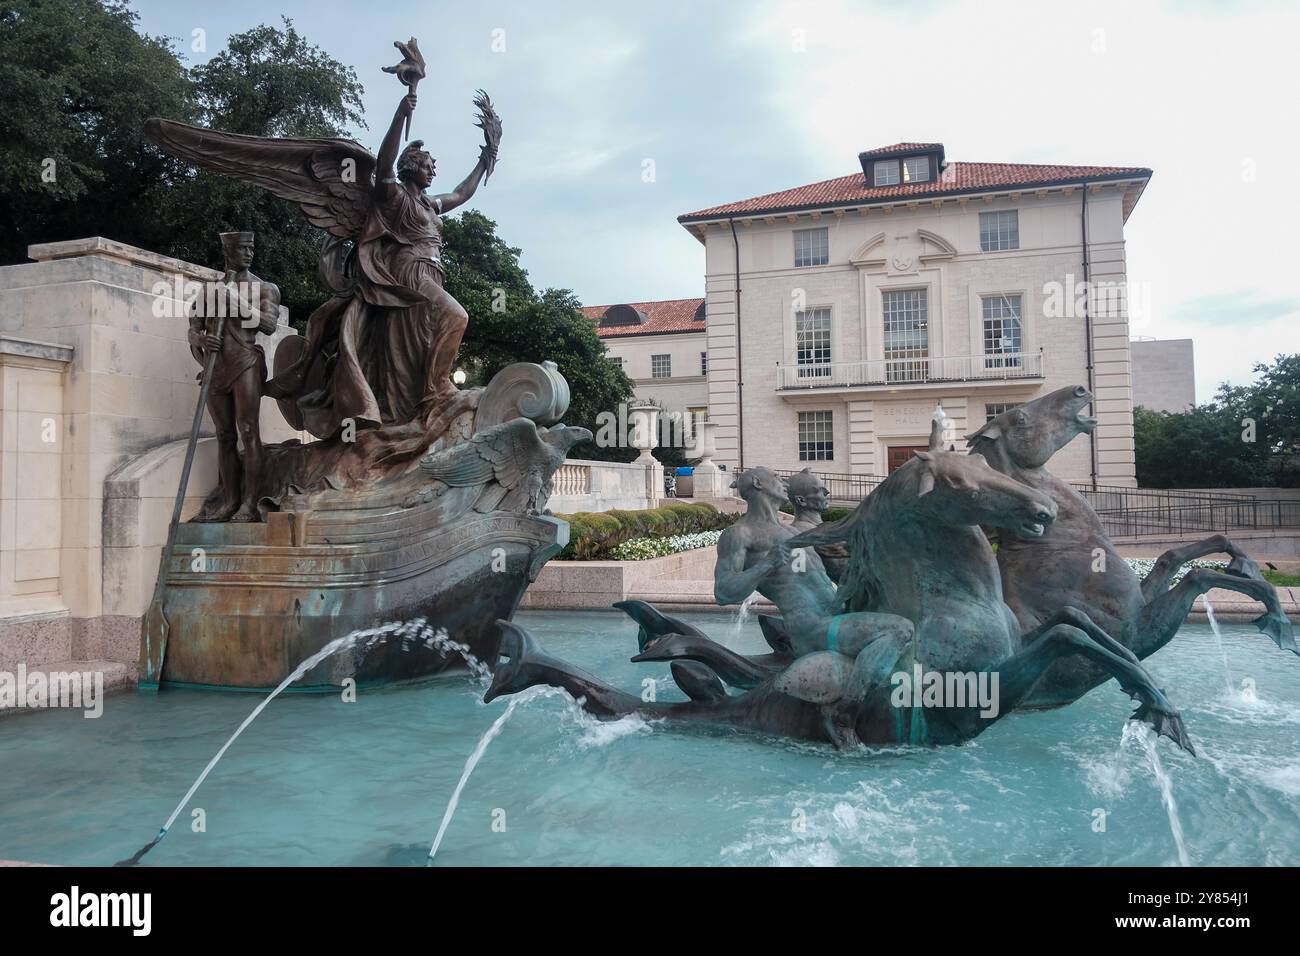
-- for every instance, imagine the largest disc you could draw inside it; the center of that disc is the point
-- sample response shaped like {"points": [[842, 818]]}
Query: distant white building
{"points": [[662, 348], [1164, 374], [839, 314]]}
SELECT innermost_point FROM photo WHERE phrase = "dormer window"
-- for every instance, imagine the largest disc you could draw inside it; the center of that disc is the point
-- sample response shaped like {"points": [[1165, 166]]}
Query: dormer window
{"points": [[913, 170], [916, 169], [902, 164]]}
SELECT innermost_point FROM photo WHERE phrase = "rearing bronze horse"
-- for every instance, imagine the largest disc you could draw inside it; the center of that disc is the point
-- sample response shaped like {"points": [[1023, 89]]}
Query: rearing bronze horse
{"points": [[1074, 563], [917, 553]]}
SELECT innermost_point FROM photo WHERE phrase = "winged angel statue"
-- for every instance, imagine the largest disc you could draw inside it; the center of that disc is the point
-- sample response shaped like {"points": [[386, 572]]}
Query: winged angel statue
{"points": [[379, 352]]}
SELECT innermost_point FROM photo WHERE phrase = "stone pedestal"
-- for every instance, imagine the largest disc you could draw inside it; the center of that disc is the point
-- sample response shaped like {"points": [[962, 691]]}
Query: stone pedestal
{"points": [[710, 480], [644, 419]]}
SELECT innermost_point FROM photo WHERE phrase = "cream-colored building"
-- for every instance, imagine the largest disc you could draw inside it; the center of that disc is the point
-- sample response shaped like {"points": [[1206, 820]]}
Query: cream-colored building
{"points": [[662, 346], [1164, 374], [841, 313]]}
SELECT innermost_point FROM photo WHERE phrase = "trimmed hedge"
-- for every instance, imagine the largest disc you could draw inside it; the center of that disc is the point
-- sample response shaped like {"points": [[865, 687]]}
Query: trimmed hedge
{"points": [[833, 513], [594, 535]]}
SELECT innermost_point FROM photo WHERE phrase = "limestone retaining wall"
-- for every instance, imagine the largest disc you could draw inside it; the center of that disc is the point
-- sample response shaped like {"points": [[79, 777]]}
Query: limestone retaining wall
{"points": [[95, 372]]}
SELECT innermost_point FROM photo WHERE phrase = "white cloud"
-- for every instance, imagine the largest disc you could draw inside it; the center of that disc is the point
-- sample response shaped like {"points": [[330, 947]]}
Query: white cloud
{"points": [[1192, 92], [719, 97]]}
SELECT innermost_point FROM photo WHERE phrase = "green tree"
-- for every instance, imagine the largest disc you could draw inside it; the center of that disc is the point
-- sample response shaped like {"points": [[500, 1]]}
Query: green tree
{"points": [[78, 84], [269, 81], [1198, 448], [79, 81], [1248, 435], [1272, 403], [511, 322]]}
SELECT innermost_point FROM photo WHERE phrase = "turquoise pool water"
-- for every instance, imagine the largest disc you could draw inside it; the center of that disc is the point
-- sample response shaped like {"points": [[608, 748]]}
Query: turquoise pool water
{"points": [[317, 781]]}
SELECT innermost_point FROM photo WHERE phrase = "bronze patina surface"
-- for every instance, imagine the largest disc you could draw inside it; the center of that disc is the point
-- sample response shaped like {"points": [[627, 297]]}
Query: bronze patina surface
{"points": [[247, 602], [419, 500]]}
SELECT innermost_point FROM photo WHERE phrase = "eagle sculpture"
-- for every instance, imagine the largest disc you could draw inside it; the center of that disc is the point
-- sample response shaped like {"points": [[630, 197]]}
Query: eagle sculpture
{"points": [[514, 461]]}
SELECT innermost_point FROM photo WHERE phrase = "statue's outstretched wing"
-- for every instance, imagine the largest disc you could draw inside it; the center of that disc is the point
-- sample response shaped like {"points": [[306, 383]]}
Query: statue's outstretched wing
{"points": [[331, 180], [513, 447], [503, 452]]}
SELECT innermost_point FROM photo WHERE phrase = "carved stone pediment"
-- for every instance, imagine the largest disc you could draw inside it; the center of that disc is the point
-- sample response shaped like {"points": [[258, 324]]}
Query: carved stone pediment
{"points": [[902, 252]]}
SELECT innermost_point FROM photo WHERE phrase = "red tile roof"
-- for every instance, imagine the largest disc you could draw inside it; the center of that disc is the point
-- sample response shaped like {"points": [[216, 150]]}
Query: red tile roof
{"points": [[668, 315], [956, 178], [900, 148]]}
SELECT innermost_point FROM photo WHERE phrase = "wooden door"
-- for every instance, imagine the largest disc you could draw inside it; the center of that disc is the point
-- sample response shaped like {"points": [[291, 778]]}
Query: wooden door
{"points": [[899, 454]]}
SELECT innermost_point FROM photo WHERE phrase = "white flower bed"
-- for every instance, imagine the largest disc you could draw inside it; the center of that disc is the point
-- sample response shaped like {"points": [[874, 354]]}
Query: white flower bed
{"points": [[1142, 567], [643, 549]]}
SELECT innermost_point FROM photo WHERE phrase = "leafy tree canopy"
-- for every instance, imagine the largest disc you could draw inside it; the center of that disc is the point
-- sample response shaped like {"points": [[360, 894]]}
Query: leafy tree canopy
{"points": [[79, 83], [1246, 436], [511, 322]]}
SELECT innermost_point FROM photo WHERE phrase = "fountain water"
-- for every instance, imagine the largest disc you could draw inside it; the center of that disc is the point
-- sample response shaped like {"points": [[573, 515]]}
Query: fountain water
{"points": [[1133, 729], [1218, 637], [409, 632], [488, 736], [742, 616]]}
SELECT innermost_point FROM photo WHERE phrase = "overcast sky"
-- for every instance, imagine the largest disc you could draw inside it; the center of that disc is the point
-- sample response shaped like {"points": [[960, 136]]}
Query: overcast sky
{"points": [[733, 99]]}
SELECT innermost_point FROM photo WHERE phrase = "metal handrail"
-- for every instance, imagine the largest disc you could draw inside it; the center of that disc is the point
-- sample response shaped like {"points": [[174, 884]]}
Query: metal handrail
{"points": [[1126, 511]]}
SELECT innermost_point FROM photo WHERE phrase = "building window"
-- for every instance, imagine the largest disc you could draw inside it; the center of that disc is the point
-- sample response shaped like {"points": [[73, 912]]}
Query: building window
{"points": [[661, 366], [811, 247], [812, 339], [907, 335], [999, 230], [886, 172], [816, 436], [1002, 339], [704, 363], [916, 169], [699, 413], [616, 359], [993, 409]]}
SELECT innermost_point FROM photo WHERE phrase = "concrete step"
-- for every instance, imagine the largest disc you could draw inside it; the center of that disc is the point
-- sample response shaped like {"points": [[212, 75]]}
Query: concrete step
{"points": [[113, 677]]}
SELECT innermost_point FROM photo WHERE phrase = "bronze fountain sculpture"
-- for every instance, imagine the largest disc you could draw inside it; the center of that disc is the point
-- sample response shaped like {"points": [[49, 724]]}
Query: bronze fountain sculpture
{"points": [[923, 596], [421, 500], [228, 338], [352, 530], [1075, 563], [809, 498]]}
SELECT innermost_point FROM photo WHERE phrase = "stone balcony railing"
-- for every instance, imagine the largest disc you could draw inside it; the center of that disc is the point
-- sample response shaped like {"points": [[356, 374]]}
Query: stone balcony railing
{"points": [[580, 485], [572, 480], [912, 371]]}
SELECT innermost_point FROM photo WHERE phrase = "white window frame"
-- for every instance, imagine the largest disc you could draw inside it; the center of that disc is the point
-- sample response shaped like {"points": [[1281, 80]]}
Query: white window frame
{"points": [[993, 409], [816, 435], [892, 170], [910, 361], [1004, 236], [1006, 310], [814, 342], [816, 250], [667, 365], [911, 174], [704, 363]]}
